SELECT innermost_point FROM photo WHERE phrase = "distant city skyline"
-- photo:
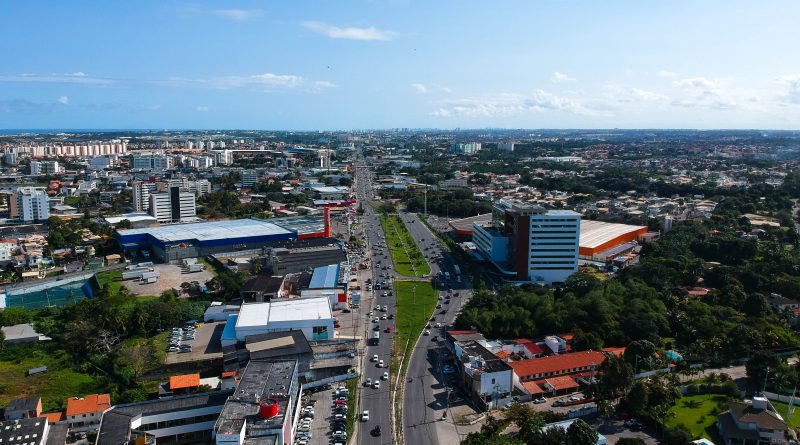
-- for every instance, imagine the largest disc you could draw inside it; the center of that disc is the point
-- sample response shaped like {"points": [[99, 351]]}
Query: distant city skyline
{"points": [[372, 64]]}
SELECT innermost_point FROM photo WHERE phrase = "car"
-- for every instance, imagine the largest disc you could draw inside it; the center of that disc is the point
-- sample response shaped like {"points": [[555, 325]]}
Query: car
{"points": [[172, 349], [340, 434], [368, 382], [380, 363], [388, 329], [376, 431], [304, 428], [539, 400], [438, 306], [376, 320], [437, 325], [376, 328], [365, 416], [376, 384], [385, 308], [391, 317], [384, 317], [385, 376], [374, 358], [427, 332]]}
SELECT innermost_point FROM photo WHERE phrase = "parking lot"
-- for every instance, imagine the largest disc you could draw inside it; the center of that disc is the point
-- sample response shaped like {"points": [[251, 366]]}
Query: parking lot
{"points": [[172, 276], [205, 346]]}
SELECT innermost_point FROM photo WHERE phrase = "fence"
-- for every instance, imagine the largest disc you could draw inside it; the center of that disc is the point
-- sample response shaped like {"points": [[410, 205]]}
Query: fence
{"points": [[326, 381]]}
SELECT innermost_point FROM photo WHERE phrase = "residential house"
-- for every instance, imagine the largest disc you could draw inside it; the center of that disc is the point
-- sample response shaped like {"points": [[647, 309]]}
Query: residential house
{"points": [[84, 413], [26, 408], [753, 423]]}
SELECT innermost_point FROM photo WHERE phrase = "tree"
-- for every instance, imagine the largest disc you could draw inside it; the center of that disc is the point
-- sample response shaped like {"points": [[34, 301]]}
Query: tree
{"points": [[580, 433], [761, 363], [550, 436], [630, 441], [256, 266], [585, 341], [639, 352], [755, 305], [138, 357], [637, 397], [14, 315], [616, 377], [678, 435], [125, 224], [2, 340]]}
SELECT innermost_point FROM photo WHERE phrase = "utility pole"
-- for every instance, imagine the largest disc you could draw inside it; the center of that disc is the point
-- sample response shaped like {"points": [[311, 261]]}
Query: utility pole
{"points": [[764, 388]]}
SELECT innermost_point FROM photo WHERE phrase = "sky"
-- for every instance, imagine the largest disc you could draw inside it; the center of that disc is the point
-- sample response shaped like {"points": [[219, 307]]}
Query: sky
{"points": [[350, 65]]}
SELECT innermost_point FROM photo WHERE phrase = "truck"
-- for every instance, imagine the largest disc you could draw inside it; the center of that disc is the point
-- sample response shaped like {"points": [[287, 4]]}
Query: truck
{"points": [[153, 274], [149, 280], [196, 267], [131, 274]]}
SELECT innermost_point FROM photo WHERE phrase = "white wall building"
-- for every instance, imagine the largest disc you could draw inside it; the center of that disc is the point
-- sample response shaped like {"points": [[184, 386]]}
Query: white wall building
{"points": [[141, 195], [310, 315], [29, 204], [173, 205]]}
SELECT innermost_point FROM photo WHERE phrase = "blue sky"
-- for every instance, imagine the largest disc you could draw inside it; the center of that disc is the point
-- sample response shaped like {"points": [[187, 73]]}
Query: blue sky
{"points": [[381, 64]]}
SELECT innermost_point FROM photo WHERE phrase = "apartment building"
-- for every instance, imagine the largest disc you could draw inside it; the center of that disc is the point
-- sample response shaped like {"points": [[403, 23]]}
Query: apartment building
{"points": [[141, 195], [29, 204], [173, 205]]}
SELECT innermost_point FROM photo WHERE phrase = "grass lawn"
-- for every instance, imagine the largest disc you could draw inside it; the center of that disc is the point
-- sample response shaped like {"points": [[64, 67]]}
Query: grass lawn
{"points": [[698, 413], [408, 259], [411, 317], [62, 380], [112, 278], [352, 387], [783, 409]]}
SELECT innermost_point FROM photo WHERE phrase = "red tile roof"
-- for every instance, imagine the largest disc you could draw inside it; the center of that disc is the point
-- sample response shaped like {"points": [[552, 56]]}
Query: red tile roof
{"points": [[561, 383], [567, 336], [184, 381], [503, 354], [534, 348], [522, 341], [461, 332], [88, 405], [532, 388], [616, 351], [54, 417], [557, 363], [228, 374]]}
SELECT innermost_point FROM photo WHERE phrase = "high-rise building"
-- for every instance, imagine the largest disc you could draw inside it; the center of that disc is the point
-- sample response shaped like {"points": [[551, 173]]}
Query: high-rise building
{"points": [[466, 148], [172, 205], [505, 146], [29, 204], [141, 192], [150, 162], [249, 177], [530, 243]]}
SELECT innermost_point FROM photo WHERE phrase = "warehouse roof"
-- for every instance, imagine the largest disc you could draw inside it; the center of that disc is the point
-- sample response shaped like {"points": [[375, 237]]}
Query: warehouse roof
{"points": [[261, 314], [596, 233], [215, 230], [325, 277]]}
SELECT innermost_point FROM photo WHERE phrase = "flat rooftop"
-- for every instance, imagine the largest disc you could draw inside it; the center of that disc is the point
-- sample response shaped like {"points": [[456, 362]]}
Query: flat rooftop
{"points": [[597, 233], [261, 314], [260, 380], [465, 224], [209, 231], [325, 277]]}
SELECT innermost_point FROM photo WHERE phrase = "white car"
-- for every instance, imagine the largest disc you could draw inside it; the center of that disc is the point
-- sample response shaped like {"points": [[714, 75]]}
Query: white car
{"points": [[376, 384], [426, 333], [383, 317], [375, 320], [385, 376], [365, 416], [380, 363], [375, 357]]}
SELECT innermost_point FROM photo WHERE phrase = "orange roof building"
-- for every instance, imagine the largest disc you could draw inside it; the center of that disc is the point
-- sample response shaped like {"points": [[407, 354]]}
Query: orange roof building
{"points": [[91, 404], [184, 381], [532, 388], [560, 384], [557, 365], [54, 417]]}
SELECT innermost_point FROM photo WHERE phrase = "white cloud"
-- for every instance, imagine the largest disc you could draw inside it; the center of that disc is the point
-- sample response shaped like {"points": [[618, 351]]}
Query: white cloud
{"points": [[350, 33], [419, 88], [623, 93], [201, 108], [709, 93], [792, 84], [79, 78], [667, 73], [561, 77], [240, 15], [510, 104], [263, 82], [63, 100]]}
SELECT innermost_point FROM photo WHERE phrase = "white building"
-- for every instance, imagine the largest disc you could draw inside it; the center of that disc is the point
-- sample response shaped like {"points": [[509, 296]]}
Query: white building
{"points": [[141, 195], [45, 167], [530, 243], [173, 205], [505, 146], [29, 204], [489, 378], [310, 315], [466, 148], [150, 162]]}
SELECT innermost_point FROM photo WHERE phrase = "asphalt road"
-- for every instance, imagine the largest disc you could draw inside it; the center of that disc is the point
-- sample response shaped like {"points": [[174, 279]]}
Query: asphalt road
{"points": [[376, 401], [425, 395]]}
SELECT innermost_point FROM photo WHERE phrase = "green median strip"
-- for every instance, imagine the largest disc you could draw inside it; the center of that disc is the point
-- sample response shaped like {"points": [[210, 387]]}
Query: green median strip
{"points": [[408, 259]]}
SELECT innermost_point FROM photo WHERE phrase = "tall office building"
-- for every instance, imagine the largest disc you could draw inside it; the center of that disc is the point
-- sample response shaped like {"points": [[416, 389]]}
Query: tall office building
{"points": [[141, 195], [505, 146], [173, 205], [531, 243], [29, 204], [150, 162], [249, 177]]}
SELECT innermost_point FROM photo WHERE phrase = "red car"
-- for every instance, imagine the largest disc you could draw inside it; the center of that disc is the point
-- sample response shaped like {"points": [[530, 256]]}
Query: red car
{"points": [[388, 329]]}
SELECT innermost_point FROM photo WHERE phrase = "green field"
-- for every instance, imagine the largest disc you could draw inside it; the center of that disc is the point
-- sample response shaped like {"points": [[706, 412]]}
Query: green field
{"points": [[413, 313], [698, 413], [408, 259], [113, 278], [783, 409], [352, 387], [62, 380]]}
